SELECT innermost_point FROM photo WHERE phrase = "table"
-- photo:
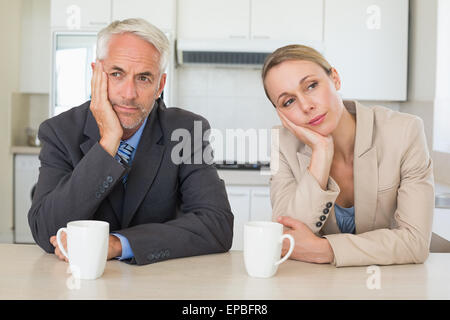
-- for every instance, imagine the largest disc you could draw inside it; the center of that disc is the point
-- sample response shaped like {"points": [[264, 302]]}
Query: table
{"points": [[27, 272]]}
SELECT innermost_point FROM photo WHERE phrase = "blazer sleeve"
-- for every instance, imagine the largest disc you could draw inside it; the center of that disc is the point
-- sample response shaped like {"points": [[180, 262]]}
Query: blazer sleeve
{"points": [[409, 241], [204, 223], [67, 192], [303, 198]]}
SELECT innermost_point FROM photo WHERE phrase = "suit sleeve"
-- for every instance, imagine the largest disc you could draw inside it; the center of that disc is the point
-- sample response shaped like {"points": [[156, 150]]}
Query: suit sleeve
{"points": [[302, 199], [205, 222], [409, 241], [65, 192]]}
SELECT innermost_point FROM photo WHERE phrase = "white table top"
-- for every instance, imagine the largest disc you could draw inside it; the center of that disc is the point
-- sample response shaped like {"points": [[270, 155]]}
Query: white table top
{"points": [[27, 272]]}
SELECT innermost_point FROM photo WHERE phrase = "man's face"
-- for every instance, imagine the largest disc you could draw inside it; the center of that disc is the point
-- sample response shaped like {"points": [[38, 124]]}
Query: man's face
{"points": [[134, 81]]}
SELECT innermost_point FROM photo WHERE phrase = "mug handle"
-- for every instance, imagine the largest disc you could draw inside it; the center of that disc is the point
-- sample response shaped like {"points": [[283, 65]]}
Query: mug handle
{"points": [[291, 248], [60, 245]]}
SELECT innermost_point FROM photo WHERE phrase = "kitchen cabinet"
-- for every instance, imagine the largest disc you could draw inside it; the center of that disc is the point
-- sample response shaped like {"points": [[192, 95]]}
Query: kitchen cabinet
{"points": [[248, 203], [80, 14], [260, 206], [367, 42], [295, 20], [26, 173], [162, 14], [213, 19], [239, 198]]}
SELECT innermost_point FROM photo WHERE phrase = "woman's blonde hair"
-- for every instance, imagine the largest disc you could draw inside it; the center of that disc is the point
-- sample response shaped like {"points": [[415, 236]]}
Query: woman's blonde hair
{"points": [[293, 52]]}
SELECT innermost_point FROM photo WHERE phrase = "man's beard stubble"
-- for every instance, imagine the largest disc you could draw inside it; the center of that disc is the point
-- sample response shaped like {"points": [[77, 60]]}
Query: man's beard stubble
{"points": [[144, 112]]}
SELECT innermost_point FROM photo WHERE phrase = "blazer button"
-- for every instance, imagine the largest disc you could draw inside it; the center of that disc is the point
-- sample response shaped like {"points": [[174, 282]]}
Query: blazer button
{"points": [[323, 218], [318, 224], [98, 195], [326, 210], [105, 184], [167, 253], [101, 189], [109, 179], [329, 205]]}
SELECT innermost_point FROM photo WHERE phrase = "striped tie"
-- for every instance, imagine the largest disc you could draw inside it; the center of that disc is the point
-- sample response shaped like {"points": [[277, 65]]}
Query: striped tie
{"points": [[124, 153]]}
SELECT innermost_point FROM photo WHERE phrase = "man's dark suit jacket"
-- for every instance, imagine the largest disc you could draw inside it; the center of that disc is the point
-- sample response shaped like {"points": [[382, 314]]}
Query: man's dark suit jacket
{"points": [[169, 210]]}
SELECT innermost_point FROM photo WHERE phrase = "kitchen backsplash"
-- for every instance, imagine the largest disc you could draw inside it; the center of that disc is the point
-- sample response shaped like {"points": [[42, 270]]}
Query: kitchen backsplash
{"points": [[229, 98]]}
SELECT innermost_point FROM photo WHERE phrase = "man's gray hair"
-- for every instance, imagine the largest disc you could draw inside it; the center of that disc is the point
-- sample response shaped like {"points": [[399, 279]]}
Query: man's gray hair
{"points": [[141, 28]]}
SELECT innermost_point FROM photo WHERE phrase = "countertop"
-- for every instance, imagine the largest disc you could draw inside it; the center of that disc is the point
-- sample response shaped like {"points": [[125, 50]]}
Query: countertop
{"points": [[25, 150], [30, 273]]}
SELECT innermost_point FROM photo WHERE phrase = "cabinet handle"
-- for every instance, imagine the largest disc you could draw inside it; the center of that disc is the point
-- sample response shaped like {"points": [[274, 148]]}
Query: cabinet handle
{"points": [[98, 23], [260, 195], [261, 37], [239, 194], [234, 36]]}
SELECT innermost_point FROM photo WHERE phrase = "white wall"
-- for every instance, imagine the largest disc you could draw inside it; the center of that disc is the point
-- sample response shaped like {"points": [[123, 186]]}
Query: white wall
{"points": [[10, 26], [441, 132], [422, 76]]}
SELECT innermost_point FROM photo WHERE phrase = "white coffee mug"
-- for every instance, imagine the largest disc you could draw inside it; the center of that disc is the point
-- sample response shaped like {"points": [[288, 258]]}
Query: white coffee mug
{"points": [[263, 241], [87, 247]]}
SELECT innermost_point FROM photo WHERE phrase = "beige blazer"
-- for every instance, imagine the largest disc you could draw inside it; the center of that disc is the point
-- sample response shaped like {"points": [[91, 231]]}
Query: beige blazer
{"points": [[393, 185]]}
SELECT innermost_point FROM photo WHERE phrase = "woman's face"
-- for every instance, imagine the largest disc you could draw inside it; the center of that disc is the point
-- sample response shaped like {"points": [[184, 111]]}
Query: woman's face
{"points": [[306, 95]]}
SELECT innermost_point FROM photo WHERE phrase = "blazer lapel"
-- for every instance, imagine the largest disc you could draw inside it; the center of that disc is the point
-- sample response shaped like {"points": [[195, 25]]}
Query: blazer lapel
{"points": [[365, 168], [144, 167]]}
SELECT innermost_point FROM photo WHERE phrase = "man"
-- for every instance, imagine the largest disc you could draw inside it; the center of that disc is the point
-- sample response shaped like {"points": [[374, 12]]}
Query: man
{"points": [[110, 159]]}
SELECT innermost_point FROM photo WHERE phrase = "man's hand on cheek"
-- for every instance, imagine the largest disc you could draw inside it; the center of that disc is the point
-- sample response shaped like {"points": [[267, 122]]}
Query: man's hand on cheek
{"points": [[108, 123]]}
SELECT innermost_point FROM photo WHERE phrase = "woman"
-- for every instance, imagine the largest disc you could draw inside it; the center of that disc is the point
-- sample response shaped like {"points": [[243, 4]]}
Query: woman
{"points": [[354, 184]]}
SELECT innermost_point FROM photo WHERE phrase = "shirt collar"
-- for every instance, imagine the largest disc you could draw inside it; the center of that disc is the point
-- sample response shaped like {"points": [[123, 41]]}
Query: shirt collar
{"points": [[136, 137]]}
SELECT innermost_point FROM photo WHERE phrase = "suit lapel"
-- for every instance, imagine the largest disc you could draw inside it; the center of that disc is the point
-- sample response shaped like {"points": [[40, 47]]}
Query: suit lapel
{"points": [[144, 167], [365, 168]]}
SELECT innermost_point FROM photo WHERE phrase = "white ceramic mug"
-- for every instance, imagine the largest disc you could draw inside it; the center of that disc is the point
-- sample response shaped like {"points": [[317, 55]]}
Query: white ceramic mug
{"points": [[263, 241], [87, 247]]}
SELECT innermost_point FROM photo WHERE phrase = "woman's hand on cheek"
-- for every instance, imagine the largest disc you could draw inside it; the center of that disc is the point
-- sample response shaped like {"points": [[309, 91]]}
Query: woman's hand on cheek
{"points": [[311, 138], [308, 247]]}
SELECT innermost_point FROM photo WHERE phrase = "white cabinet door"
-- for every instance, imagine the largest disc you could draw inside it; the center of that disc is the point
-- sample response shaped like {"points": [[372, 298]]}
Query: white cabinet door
{"points": [[294, 20], [213, 19], [160, 13], [26, 173], [239, 198], [260, 206], [80, 14], [367, 42]]}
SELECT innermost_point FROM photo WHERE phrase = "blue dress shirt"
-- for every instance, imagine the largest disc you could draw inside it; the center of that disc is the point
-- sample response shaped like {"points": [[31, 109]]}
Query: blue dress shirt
{"points": [[133, 141], [345, 218]]}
